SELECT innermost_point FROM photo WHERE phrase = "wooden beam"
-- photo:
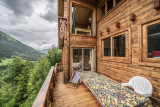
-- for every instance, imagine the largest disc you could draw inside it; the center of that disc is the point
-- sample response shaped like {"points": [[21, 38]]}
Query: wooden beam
{"points": [[132, 17], [114, 3], [117, 24], [108, 30], [101, 2], [101, 33], [157, 4]]}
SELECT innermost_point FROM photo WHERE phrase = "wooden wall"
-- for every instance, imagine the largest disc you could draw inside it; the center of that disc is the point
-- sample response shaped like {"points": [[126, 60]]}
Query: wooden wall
{"points": [[75, 40], [124, 70], [64, 39], [83, 40], [79, 40], [116, 68]]}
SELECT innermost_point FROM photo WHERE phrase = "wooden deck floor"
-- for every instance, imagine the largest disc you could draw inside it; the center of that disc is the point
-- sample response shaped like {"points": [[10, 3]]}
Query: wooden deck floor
{"points": [[66, 96]]}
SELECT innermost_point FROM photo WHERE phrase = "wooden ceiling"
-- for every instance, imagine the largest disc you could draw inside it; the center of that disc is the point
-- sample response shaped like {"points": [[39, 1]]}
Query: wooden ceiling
{"points": [[82, 15]]}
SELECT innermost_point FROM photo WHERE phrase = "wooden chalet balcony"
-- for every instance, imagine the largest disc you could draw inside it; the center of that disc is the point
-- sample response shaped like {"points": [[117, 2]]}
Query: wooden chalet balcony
{"points": [[57, 94], [54, 93]]}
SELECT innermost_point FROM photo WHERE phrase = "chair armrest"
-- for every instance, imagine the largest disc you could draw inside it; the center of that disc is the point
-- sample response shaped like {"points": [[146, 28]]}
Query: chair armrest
{"points": [[126, 84]]}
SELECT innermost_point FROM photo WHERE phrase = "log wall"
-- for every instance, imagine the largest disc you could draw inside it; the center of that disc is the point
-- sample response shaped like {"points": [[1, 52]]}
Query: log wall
{"points": [[118, 68], [64, 37], [80, 40]]}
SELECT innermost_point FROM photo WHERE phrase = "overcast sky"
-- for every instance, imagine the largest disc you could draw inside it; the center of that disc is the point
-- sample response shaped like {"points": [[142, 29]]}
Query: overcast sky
{"points": [[33, 22]]}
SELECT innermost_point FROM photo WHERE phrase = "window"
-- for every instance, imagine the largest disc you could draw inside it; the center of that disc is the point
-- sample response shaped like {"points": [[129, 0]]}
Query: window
{"points": [[103, 11], [107, 47], [119, 46], [82, 21], [116, 46], [109, 5], [150, 42], [153, 41], [117, 1]]}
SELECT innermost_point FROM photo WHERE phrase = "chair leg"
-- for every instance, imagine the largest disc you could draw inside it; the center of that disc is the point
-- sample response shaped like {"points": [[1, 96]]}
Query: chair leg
{"points": [[75, 86], [85, 87], [98, 105]]}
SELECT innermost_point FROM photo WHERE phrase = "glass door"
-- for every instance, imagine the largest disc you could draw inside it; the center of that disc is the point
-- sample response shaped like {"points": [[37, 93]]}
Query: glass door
{"points": [[82, 59], [87, 60], [77, 59]]}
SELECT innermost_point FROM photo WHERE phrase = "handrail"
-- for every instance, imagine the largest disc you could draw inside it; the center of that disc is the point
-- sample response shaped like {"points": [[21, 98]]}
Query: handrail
{"points": [[45, 95]]}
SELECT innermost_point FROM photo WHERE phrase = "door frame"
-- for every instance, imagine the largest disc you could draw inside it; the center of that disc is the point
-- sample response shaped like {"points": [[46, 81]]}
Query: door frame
{"points": [[92, 69]]}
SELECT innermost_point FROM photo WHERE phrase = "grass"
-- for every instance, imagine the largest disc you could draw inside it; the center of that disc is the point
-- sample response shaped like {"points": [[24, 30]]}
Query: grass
{"points": [[9, 60], [6, 61]]}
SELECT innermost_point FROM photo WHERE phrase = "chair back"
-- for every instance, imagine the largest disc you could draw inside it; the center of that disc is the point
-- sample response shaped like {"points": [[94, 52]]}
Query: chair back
{"points": [[76, 77], [141, 85]]}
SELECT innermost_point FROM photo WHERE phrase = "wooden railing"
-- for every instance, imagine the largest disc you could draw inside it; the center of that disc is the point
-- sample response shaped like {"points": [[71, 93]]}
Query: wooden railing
{"points": [[58, 68], [45, 95]]}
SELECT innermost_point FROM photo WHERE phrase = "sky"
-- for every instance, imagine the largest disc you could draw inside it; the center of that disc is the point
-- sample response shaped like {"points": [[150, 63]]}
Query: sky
{"points": [[32, 22]]}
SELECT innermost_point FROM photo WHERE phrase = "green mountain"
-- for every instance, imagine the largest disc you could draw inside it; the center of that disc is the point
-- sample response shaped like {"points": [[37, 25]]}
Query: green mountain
{"points": [[10, 47]]}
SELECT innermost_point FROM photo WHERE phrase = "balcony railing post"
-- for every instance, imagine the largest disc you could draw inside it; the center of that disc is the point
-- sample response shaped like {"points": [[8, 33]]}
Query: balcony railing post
{"points": [[51, 91]]}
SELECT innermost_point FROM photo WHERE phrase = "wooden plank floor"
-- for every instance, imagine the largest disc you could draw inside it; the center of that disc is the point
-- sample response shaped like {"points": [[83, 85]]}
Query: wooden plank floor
{"points": [[66, 96]]}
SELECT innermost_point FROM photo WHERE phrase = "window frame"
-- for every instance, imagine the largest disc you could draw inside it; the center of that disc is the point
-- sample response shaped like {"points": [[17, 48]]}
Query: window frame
{"points": [[104, 10], [103, 47], [127, 46], [144, 43]]}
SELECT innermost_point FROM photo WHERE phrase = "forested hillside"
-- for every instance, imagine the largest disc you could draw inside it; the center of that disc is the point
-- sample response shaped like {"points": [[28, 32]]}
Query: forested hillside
{"points": [[10, 47], [21, 80]]}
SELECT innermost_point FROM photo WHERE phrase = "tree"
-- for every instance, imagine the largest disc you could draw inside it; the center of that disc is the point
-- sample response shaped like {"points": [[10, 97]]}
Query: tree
{"points": [[15, 69], [36, 79], [54, 56], [21, 93], [9, 82], [22, 80]]}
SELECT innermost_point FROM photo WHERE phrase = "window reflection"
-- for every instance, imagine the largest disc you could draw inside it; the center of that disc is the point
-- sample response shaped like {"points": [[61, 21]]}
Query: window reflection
{"points": [[109, 5], [119, 46], [82, 20], [103, 11], [153, 37], [107, 47]]}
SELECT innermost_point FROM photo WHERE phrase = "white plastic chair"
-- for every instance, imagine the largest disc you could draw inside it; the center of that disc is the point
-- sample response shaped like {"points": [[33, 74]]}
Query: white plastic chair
{"points": [[140, 85]]}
